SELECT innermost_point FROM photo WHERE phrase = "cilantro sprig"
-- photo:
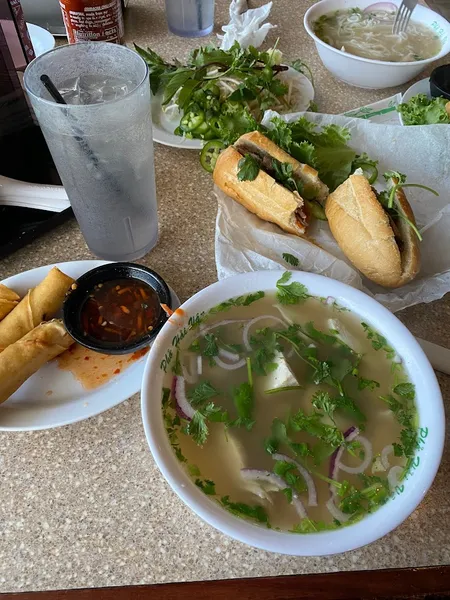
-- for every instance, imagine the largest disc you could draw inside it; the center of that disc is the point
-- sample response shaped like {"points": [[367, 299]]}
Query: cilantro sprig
{"points": [[290, 293]]}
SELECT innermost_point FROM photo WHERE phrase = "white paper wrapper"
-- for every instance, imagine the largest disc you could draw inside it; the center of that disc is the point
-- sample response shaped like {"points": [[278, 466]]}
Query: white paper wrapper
{"points": [[245, 243], [246, 26]]}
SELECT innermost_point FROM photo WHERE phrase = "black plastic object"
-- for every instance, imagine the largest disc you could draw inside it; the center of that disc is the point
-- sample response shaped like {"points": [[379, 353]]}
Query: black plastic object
{"points": [[77, 297], [440, 82]]}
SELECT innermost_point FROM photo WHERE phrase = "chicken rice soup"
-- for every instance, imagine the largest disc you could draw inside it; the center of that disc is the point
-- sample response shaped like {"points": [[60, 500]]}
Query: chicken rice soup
{"points": [[289, 411]]}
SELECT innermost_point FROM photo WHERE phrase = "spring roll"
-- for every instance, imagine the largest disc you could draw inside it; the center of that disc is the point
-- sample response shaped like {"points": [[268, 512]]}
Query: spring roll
{"points": [[40, 304], [26, 356], [8, 300]]}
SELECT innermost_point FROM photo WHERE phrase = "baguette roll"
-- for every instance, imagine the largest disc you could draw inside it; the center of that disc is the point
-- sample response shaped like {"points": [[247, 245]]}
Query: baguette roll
{"points": [[263, 196], [383, 248], [265, 150]]}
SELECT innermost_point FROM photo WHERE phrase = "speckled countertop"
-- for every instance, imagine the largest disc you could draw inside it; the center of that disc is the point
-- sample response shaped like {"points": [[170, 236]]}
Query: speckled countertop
{"points": [[85, 505]]}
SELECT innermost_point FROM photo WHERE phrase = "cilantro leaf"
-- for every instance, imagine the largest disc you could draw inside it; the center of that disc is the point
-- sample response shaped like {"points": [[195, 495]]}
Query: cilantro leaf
{"points": [[290, 259], [405, 390], [240, 509], [379, 342], [248, 168], [291, 476], [207, 486], [244, 401], [398, 450], [203, 392], [323, 402], [310, 526], [313, 425], [211, 349], [292, 293], [239, 301], [408, 438], [367, 383], [265, 347], [197, 428], [280, 436]]}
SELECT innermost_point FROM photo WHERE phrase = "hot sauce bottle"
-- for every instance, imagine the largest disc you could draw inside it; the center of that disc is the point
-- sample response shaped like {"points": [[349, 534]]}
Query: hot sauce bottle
{"points": [[93, 20]]}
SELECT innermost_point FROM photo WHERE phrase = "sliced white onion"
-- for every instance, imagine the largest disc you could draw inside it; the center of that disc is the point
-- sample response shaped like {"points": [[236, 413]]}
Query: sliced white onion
{"points": [[387, 6], [256, 320], [337, 461], [312, 493], [384, 456], [203, 330], [231, 356], [229, 366], [199, 364], [190, 377], [335, 512], [283, 314], [393, 477], [275, 480], [330, 300], [182, 401], [368, 454], [397, 359]]}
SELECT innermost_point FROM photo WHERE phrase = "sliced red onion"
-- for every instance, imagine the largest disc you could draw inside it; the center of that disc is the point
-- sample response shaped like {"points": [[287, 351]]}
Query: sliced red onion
{"points": [[388, 6], [229, 366], [199, 365], [393, 477], [231, 356], [384, 456], [349, 435], [335, 512], [184, 409], [256, 320], [312, 493], [275, 480], [368, 454]]}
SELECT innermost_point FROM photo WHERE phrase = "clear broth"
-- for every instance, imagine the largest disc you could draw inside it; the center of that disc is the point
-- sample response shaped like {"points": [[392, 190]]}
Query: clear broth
{"points": [[228, 450], [369, 35]]}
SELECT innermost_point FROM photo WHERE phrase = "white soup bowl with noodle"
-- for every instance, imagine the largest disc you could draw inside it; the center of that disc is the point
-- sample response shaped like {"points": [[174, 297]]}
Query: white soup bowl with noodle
{"points": [[189, 319], [367, 72]]}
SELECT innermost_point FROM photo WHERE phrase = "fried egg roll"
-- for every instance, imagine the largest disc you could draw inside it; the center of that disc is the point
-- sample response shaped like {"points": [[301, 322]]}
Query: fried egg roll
{"points": [[40, 304], [26, 356], [8, 300]]}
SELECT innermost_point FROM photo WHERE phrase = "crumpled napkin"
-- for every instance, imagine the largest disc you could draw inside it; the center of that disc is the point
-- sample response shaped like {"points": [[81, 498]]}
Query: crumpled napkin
{"points": [[246, 243], [245, 25]]}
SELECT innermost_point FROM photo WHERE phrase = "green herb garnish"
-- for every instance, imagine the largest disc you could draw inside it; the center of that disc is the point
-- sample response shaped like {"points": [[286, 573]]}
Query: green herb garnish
{"points": [[248, 168], [290, 293], [244, 401], [239, 301], [364, 383], [379, 342], [207, 486], [290, 259], [240, 509]]}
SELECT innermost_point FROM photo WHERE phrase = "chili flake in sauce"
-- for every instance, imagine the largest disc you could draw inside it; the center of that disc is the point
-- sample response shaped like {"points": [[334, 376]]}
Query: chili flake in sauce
{"points": [[120, 310]]}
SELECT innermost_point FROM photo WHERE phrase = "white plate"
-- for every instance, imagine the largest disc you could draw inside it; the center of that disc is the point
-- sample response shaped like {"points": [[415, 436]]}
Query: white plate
{"points": [[31, 408], [420, 87], [163, 129], [42, 40]]}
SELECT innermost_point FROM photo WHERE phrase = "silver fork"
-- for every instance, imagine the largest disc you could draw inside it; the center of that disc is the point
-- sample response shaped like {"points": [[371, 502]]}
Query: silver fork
{"points": [[403, 16]]}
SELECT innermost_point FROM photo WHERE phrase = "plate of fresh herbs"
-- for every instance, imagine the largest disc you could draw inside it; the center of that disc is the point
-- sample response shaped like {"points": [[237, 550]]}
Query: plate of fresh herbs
{"points": [[220, 94]]}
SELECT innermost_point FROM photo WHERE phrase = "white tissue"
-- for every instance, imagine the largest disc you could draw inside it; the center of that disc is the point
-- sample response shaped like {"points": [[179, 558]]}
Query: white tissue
{"points": [[245, 25], [32, 195], [246, 243]]}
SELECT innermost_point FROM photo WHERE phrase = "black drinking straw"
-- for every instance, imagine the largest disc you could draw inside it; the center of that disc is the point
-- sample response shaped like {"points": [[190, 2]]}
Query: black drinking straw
{"points": [[78, 134], [199, 15]]}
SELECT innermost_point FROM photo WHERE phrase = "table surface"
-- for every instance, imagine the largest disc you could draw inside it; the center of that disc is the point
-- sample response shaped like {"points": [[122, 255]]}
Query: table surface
{"points": [[85, 505]]}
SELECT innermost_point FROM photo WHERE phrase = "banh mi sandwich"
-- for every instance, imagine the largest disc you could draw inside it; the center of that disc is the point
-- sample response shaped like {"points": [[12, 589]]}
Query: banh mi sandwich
{"points": [[376, 231], [270, 183]]}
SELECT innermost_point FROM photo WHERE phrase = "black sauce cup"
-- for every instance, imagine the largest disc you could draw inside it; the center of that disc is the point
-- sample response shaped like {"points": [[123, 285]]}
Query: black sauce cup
{"points": [[77, 297], [440, 82]]}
